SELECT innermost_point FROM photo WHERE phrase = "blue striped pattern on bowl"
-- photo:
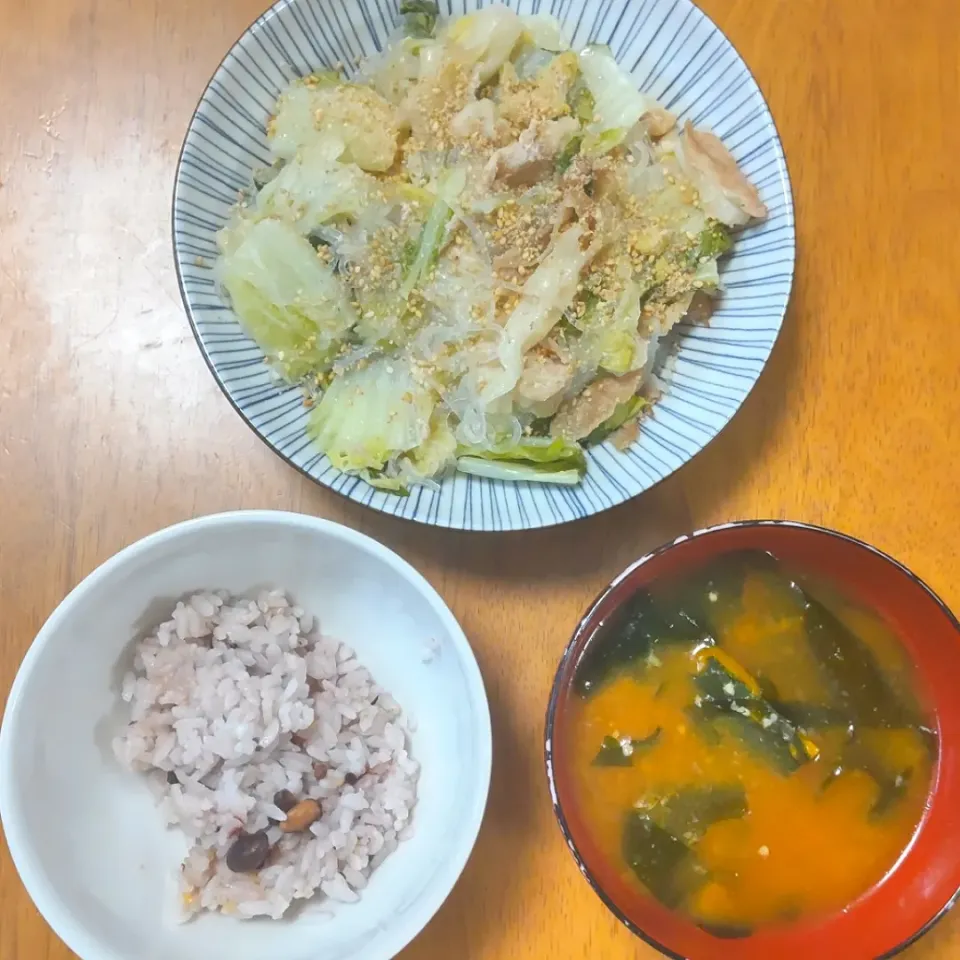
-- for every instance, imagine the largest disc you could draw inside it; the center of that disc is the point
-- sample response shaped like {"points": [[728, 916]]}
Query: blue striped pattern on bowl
{"points": [[675, 53]]}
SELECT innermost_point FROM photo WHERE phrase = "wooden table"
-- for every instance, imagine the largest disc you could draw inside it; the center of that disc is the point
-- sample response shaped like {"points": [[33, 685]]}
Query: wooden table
{"points": [[111, 426]]}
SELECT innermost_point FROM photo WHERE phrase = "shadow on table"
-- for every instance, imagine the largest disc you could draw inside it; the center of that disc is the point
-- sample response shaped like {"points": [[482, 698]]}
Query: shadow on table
{"points": [[479, 910], [731, 460]]}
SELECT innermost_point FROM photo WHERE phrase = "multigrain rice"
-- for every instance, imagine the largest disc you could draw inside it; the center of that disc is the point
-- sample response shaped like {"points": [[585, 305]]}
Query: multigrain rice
{"points": [[235, 700]]}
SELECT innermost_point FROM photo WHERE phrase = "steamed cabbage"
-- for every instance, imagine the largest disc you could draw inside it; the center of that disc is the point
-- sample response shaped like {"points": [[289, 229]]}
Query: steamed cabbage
{"points": [[485, 39], [617, 104], [371, 415], [354, 113], [467, 255], [535, 459], [544, 32], [315, 187], [289, 301]]}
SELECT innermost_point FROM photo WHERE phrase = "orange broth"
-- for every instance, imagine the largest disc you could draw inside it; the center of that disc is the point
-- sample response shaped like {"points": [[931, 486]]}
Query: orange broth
{"points": [[806, 841]]}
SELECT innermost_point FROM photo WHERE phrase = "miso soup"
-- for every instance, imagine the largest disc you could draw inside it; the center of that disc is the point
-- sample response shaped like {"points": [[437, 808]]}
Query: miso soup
{"points": [[748, 745]]}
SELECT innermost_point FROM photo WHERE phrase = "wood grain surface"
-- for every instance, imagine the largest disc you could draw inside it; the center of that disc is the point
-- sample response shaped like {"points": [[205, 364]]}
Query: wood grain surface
{"points": [[111, 425]]}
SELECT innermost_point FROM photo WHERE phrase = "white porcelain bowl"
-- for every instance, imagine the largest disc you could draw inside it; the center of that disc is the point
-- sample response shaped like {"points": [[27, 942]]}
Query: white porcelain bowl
{"points": [[84, 833]]}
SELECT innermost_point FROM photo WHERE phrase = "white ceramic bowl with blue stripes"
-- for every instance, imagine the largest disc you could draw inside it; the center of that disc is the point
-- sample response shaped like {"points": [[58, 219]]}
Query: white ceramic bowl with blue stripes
{"points": [[677, 54]]}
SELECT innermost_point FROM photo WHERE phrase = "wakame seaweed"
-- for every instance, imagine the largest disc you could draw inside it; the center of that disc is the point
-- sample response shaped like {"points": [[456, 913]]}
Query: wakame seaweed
{"points": [[613, 752], [664, 864], [713, 596], [736, 704], [848, 664], [857, 684], [685, 615], [891, 787], [632, 634], [812, 716], [626, 638], [690, 812], [658, 842]]}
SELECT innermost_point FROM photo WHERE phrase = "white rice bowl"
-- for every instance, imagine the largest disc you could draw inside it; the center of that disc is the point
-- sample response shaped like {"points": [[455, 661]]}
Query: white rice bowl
{"points": [[234, 702], [86, 834]]}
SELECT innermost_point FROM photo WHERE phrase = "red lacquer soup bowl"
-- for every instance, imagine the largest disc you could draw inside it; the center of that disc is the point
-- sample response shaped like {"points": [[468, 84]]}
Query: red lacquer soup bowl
{"points": [[924, 883]]}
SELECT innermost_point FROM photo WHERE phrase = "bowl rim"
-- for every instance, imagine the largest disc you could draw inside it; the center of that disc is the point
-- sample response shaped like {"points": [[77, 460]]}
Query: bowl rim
{"points": [[57, 913], [786, 184], [584, 624]]}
